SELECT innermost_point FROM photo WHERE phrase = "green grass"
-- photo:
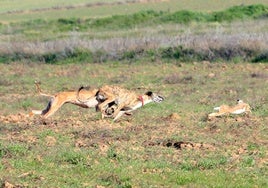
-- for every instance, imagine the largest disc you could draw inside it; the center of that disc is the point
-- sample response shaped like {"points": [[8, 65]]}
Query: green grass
{"points": [[9, 6], [147, 17], [74, 148], [105, 9]]}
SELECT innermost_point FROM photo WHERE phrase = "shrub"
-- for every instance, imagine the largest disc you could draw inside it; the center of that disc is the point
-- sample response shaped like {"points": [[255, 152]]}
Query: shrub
{"points": [[67, 21], [73, 55], [240, 12], [184, 17], [125, 21], [180, 53], [262, 57]]}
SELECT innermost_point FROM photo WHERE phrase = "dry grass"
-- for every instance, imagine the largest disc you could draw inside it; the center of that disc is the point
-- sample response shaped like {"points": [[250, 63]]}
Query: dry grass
{"points": [[236, 39]]}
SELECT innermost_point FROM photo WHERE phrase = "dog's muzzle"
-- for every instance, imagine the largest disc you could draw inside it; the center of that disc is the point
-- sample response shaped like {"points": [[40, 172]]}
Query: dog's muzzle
{"points": [[158, 99]]}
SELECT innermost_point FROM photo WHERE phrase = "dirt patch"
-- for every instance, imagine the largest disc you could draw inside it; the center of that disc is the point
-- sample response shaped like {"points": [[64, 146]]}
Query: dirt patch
{"points": [[259, 75], [100, 137], [179, 144], [173, 117], [15, 118]]}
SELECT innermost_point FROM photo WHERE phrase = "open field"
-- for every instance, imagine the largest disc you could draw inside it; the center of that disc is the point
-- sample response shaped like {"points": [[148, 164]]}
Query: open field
{"points": [[14, 11], [197, 55], [162, 145]]}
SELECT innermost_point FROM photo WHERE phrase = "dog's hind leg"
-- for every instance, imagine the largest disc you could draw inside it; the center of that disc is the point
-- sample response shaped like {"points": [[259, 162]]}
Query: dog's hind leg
{"points": [[53, 106], [41, 112]]}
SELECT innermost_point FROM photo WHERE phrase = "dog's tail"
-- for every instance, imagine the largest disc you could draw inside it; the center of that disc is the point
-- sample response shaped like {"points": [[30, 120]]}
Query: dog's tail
{"points": [[78, 91], [37, 85]]}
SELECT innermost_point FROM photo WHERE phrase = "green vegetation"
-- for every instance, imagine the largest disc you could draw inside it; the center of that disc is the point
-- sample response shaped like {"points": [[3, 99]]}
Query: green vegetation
{"points": [[148, 17], [74, 148], [15, 11], [171, 53], [255, 52]]}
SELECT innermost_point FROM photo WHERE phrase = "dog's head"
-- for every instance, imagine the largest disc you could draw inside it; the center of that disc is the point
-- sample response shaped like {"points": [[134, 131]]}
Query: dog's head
{"points": [[155, 97], [239, 101]]}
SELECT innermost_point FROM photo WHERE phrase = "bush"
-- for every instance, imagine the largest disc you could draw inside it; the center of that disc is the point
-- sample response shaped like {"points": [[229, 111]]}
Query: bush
{"points": [[143, 18], [180, 53], [76, 55], [125, 21], [240, 12], [184, 17], [262, 57]]}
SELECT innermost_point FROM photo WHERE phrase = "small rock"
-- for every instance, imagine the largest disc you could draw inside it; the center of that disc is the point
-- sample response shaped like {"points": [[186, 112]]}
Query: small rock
{"points": [[211, 75]]}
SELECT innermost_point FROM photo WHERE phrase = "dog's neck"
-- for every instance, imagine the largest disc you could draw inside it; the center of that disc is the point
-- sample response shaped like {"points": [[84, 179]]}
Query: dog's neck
{"points": [[143, 100]]}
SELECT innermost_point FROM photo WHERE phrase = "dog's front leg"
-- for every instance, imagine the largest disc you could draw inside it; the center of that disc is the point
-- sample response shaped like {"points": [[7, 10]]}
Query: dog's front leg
{"points": [[102, 107], [118, 113]]}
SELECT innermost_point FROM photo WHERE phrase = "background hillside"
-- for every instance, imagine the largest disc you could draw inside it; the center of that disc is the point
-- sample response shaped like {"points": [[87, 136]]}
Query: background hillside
{"points": [[150, 31]]}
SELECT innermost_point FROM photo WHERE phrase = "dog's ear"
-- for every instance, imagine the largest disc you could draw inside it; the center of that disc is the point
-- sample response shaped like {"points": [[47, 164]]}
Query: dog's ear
{"points": [[149, 93], [80, 88], [84, 87]]}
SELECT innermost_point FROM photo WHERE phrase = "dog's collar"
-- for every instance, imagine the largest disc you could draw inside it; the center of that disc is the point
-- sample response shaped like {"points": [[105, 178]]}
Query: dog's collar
{"points": [[141, 99]]}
